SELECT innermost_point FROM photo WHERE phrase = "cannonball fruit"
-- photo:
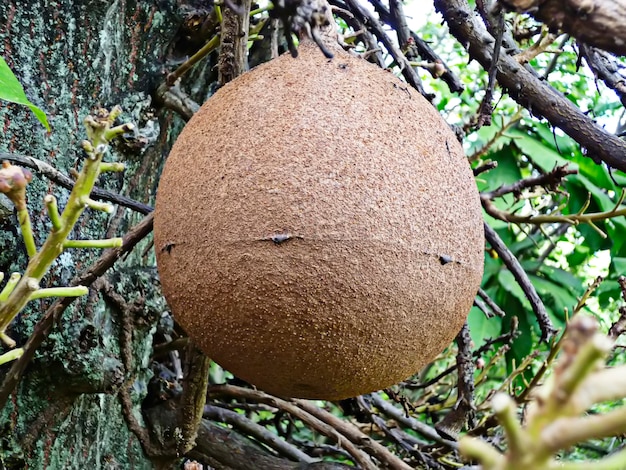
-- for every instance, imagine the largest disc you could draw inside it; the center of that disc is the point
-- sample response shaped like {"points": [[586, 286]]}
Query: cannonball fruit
{"points": [[318, 230]]}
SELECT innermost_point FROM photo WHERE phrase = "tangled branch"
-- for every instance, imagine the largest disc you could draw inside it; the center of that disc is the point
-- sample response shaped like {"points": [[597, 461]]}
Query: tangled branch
{"points": [[527, 88]]}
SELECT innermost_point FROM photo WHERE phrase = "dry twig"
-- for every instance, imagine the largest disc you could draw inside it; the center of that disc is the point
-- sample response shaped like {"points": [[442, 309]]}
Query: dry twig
{"points": [[66, 182], [511, 262]]}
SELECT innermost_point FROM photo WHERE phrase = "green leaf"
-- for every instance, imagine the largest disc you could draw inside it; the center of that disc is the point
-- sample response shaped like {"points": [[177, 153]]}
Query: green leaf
{"points": [[563, 278], [607, 291], [510, 285], [507, 235], [592, 177], [481, 327], [542, 155], [615, 228], [492, 268], [580, 255], [11, 90], [618, 266], [524, 344], [599, 195], [600, 201], [485, 134], [578, 196], [596, 174], [555, 298], [564, 144], [507, 171]]}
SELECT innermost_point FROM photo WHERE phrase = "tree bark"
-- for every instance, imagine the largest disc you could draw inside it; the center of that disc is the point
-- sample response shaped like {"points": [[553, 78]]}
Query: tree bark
{"points": [[79, 404], [227, 450], [72, 56], [598, 23]]}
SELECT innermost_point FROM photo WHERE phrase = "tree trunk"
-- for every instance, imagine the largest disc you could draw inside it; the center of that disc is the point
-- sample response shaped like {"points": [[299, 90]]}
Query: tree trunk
{"points": [[72, 56]]}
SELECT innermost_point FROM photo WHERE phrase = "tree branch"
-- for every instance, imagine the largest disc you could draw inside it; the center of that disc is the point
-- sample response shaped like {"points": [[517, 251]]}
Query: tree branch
{"points": [[225, 449], [368, 19], [599, 23], [606, 69], [524, 86], [550, 181], [66, 182], [463, 410], [234, 40], [511, 262], [359, 456], [353, 433], [398, 415], [193, 398], [494, 307], [260, 433], [402, 439], [423, 48]]}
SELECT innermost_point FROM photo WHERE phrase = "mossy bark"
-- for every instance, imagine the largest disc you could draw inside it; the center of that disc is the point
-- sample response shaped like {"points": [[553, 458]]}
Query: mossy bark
{"points": [[72, 56]]}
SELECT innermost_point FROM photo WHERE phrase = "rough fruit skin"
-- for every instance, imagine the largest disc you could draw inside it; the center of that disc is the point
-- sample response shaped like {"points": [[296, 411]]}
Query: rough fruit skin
{"points": [[318, 230]]}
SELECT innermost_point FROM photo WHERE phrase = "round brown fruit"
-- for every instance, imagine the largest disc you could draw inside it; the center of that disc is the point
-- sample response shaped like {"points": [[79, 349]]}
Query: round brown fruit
{"points": [[318, 230]]}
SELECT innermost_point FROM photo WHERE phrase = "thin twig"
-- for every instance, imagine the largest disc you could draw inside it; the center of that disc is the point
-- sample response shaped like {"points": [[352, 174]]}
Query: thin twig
{"points": [[373, 52], [504, 338], [254, 395], [66, 182], [495, 308], [571, 219], [527, 88], [619, 326], [557, 233], [504, 126], [175, 99], [606, 69], [463, 410], [165, 348], [397, 414], [369, 20], [550, 181], [423, 48], [372, 447], [485, 109], [486, 167], [404, 440], [511, 262], [546, 39], [482, 306], [555, 57], [209, 47], [260, 433]]}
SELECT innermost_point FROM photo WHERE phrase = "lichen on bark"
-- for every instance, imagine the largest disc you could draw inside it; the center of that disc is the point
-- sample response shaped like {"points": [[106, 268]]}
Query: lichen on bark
{"points": [[72, 56]]}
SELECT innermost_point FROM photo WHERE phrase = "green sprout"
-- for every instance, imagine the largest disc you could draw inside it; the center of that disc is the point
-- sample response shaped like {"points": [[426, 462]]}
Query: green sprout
{"points": [[556, 419], [22, 288]]}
